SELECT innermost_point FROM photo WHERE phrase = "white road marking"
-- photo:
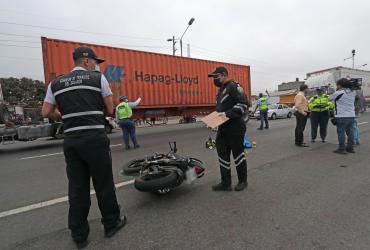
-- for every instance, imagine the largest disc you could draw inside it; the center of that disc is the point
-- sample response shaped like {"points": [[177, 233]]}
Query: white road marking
{"points": [[40, 156], [50, 202], [59, 153], [362, 123]]}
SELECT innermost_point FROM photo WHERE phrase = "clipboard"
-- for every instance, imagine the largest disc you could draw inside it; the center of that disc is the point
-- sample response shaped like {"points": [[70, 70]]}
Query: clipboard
{"points": [[214, 119]]}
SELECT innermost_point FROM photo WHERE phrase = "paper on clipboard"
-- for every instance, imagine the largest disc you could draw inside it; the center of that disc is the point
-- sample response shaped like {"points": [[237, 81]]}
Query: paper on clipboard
{"points": [[214, 119]]}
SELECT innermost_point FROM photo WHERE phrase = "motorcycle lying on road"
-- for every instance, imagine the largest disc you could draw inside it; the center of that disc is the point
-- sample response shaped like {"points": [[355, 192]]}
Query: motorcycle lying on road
{"points": [[160, 173]]}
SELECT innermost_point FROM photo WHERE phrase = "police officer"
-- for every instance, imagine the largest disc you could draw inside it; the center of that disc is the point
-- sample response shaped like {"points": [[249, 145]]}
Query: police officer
{"points": [[231, 102], [124, 119], [319, 106], [83, 96], [262, 104]]}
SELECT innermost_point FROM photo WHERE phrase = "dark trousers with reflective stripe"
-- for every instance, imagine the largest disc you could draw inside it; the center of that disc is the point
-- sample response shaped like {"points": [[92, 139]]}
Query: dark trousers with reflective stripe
{"points": [[230, 139], [88, 157], [319, 119]]}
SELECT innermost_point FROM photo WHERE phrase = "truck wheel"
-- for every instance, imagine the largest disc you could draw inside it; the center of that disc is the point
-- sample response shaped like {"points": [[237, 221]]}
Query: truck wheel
{"points": [[158, 181]]}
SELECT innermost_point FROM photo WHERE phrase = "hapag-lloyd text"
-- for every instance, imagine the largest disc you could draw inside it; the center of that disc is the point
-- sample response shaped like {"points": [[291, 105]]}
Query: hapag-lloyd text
{"points": [[166, 79]]}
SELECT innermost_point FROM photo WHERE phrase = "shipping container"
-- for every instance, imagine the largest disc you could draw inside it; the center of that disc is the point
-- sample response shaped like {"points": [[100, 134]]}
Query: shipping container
{"points": [[168, 85]]}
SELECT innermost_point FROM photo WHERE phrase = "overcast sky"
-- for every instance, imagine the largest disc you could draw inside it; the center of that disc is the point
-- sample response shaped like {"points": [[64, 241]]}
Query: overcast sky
{"points": [[280, 40]]}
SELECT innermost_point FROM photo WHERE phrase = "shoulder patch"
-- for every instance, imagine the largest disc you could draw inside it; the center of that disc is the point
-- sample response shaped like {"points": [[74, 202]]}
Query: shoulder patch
{"points": [[240, 89]]}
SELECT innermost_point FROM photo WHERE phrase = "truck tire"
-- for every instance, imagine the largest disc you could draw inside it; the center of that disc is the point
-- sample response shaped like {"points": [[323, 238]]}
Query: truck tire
{"points": [[155, 182]]}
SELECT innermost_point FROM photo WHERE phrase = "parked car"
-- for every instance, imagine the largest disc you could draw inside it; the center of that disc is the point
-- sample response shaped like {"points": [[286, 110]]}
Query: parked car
{"points": [[277, 111]]}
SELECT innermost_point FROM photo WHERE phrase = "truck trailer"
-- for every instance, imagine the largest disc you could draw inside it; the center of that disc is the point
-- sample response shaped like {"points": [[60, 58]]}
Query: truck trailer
{"points": [[168, 85], [329, 77]]}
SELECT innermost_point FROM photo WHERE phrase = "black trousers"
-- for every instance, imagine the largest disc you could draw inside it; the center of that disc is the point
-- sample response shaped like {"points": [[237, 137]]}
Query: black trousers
{"points": [[230, 139], [300, 126], [319, 119], [88, 157]]}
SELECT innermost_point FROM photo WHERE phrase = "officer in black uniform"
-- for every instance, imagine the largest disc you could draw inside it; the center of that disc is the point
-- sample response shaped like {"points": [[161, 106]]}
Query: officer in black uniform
{"points": [[83, 97], [231, 102]]}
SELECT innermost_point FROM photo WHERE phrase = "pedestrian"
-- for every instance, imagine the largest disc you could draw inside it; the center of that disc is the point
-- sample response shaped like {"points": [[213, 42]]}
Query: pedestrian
{"points": [[81, 96], [319, 107], [124, 119], [231, 102], [359, 109], [262, 104], [301, 114], [344, 106]]}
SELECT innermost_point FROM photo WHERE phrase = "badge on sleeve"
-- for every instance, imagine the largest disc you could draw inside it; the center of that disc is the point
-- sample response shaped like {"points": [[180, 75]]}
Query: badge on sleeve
{"points": [[240, 89]]}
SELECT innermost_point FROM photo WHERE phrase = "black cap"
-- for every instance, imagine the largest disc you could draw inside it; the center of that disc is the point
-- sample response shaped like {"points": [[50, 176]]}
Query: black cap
{"points": [[81, 52], [217, 71]]}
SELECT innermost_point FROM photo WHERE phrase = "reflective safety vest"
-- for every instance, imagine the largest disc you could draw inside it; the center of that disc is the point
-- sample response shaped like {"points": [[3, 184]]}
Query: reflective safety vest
{"points": [[320, 103], [124, 111], [263, 103]]}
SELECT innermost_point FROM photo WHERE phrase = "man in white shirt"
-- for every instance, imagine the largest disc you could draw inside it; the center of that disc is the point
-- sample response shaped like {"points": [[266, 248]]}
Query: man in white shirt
{"points": [[344, 112]]}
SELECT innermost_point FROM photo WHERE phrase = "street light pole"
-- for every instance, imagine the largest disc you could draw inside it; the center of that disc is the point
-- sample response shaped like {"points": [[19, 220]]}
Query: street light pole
{"points": [[353, 58], [189, 23], [363, 65]]}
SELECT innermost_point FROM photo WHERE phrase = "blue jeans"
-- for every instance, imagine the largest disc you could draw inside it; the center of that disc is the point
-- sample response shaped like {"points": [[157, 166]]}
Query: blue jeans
{"points": [[128, 130], [356, 132], [263, 117], [345, 126]]}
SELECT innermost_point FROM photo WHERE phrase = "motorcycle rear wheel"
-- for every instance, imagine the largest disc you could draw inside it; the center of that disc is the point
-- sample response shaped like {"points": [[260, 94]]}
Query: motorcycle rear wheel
{"points": [[158, 181]]}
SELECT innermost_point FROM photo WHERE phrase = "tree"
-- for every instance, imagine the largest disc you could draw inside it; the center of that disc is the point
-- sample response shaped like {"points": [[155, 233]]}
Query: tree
{"points": [[24, 91]]}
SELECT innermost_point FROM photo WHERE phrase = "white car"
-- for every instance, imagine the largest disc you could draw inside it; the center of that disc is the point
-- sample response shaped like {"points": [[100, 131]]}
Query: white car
{"points": [[277, 111]]}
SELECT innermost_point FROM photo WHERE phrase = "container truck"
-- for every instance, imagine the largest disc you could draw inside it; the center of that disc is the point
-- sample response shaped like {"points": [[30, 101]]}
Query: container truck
{"points": [[168, 85]]}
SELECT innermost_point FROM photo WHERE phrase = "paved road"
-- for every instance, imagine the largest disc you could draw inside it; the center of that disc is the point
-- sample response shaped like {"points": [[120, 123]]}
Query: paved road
{"points": [[298, 198]]}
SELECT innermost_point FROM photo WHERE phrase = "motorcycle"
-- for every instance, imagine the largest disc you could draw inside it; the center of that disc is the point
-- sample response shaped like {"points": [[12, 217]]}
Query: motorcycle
{"points": [[160, 173]]}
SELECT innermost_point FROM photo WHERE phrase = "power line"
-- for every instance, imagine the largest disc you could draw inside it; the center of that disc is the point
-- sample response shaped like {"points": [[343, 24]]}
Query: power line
{"points": [[11, 34], [20, 58], [20, 46], [79, 31], [20, 41]]}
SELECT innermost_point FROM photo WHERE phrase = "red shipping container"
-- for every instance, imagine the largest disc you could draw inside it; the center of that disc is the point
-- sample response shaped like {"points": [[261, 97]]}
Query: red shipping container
{"points": [[167, 84]]}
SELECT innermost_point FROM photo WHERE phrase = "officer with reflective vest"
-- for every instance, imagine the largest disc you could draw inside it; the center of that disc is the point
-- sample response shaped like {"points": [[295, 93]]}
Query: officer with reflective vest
{"points": [[262, 104], [124, 119], [231, 102], [83, 97], [320, 108]]}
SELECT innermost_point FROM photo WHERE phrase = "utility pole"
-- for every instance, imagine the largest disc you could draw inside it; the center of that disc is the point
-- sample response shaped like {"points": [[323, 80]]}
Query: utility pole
{"points": [[353, 58], [173, 40], [188, 47]]}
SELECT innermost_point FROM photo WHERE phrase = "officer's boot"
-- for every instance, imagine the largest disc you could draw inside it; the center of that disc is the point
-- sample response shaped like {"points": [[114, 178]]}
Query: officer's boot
{"points": [[242, 176], [225, 184]]}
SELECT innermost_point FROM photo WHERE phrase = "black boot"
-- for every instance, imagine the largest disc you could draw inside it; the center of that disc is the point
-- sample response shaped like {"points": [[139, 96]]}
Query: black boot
{"points": [[221, 187], [225, 184], [242, 176]]}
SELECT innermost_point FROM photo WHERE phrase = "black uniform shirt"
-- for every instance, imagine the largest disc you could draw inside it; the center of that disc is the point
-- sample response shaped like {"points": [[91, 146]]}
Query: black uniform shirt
{"points": [[232, 100]]}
